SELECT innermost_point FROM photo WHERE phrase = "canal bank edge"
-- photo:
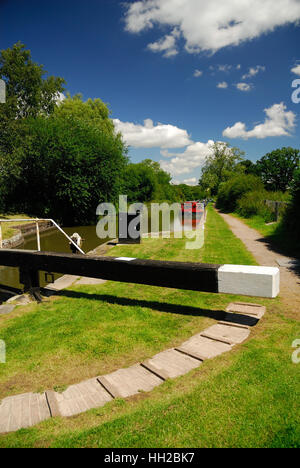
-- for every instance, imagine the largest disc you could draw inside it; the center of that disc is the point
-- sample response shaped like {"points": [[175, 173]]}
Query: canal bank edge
{"points": [[24, 231]]}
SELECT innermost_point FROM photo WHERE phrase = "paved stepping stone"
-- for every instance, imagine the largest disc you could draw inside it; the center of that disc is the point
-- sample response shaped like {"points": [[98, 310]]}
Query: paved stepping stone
{"points": [[126, 382], [90, 281], [246, 308], [62, 283], [171, 363], [78, 398], [23, 411], [226, 333], [6, 309], [203, 348]]}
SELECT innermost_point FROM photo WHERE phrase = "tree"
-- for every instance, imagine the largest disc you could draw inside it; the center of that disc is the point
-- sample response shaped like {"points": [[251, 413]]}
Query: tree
{"points": [[220, 165], [28, 94], [277, 168], [69, 164], [140, 183]]}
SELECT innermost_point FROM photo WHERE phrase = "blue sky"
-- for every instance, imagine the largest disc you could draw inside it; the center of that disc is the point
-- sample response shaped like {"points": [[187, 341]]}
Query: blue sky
{"points": [[177, 74]]}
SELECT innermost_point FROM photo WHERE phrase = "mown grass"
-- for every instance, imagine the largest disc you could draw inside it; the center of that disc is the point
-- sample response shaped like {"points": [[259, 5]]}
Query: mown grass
{"points": [[92, 330], [7, 228], [248, 397], [258, 223]]}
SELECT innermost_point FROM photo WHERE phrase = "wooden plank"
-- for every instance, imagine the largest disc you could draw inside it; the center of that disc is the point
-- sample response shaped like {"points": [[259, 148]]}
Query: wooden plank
{"points": [[179, 275]]}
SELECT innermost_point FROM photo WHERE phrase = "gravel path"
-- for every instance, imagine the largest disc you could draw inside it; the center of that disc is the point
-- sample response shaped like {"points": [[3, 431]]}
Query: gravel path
{"points": [[265, 255]]}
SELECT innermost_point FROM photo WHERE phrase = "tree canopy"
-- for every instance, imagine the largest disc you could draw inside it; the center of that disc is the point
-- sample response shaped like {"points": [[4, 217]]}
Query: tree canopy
{"points": [[277, 168], [219, 166]]}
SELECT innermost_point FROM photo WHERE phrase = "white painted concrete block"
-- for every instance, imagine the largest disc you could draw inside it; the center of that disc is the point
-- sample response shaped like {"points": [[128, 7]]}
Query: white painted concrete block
{"points": [[247, 280]]}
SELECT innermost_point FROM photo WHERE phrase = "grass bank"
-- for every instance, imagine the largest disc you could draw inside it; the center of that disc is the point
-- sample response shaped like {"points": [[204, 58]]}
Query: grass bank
{"points": [[7, 228], [247, 397]]}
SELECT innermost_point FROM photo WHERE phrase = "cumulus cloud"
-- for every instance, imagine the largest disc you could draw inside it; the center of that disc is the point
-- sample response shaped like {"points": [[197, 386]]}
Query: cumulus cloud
{"points": [[278, 122], [184, 163], [191, 181], [296, 70], [166, 44], [222, 85], [253, 71], [245, 87], [198, 73], [210, 25], [151, 136]]}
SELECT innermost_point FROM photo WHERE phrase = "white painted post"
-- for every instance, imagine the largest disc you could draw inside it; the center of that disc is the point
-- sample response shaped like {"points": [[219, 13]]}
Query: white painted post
{"points": [[38, 236]]}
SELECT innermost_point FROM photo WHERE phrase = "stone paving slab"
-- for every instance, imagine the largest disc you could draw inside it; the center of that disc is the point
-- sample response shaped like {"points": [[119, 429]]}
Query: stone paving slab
{"points": [[23, 411], [204, 348], [126, 382], [171, 363], [62, 283], [226, 333], [79, 398], [6, 309], [91, 281], [246, 308]]}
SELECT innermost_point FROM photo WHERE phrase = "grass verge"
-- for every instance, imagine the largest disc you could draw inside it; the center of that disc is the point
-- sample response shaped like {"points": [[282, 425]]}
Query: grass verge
{"points": [[247, 397]]}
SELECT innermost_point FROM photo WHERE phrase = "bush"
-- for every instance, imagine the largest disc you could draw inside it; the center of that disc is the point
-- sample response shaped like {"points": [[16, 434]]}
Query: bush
{"points": [[232, 190], [253, 204], [291, 220]]}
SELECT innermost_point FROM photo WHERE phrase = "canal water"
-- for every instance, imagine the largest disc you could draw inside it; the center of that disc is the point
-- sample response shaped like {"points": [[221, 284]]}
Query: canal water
{"points": [[54, 241], [51, 241]]}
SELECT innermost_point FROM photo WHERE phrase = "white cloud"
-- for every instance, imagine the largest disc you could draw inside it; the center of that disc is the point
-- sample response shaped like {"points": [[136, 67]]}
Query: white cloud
{"points": [[166, 44], [222, 85], [198, 73], [245, 87], [224, 68], [210, 25], [278, 122], [184, 163], [253, 71], [191, 181], [151, 136], [296, 70]]}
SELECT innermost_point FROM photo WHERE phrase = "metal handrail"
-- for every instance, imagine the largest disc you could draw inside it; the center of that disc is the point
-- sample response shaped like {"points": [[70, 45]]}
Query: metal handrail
{"points": [[36, 220]]}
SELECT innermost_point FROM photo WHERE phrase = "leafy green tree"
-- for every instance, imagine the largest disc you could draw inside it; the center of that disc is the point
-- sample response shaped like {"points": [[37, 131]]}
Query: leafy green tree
{"points": [[231, 191], [28, 94], [219, 166], [68, 166], [277, 168], [140, 183], [93, 110]]}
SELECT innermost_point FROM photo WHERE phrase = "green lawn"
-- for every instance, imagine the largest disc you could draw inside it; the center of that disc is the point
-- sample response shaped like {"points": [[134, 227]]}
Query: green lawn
{"points": [[258, 223], [247, 397], [7, 228]]}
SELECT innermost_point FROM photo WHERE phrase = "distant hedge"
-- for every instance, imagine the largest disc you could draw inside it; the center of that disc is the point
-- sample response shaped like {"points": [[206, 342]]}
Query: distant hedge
{"points": [[231, 191], [291, 220]]}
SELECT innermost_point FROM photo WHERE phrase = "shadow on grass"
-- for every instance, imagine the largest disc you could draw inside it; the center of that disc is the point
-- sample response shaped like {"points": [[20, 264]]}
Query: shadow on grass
{"points": [[163, 307]]}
